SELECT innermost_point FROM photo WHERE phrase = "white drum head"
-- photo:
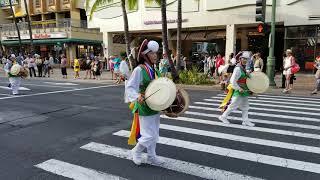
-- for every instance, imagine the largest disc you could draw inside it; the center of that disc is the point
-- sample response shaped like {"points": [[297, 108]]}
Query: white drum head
{"points": [[258, 83], [15, 69], [160, 94]]}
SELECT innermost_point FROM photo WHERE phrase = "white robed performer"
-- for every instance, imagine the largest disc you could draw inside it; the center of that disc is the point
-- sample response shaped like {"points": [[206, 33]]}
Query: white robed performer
{"points": [[13, 71], [237, 96], [148, 119]]}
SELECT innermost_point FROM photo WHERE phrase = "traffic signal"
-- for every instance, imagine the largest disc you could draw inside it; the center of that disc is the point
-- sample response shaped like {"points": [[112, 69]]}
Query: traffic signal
{"points": [[260, 10], [263, 28]]}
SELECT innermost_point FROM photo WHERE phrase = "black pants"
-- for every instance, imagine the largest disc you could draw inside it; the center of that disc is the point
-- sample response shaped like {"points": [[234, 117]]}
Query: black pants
{"points": [[39, 70], [32, 70], [64, 71]]}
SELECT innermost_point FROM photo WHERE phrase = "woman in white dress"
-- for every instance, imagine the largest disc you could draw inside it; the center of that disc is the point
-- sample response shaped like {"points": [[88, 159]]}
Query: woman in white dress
{"points": [[287, 64]]}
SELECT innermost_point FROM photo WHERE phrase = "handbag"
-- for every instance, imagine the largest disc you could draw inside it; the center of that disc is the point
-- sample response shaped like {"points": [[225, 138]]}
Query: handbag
{"points": [[295, 67]]}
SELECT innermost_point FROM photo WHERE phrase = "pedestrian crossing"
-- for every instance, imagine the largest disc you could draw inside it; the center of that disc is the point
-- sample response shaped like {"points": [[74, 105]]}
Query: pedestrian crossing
{"points": [[284, 144]]}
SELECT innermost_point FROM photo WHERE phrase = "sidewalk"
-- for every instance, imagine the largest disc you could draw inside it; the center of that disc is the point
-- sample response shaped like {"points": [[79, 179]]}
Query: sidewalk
{"points": [[302, 86]]}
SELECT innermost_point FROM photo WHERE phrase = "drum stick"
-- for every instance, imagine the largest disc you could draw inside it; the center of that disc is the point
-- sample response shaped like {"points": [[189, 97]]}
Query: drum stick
{"points": [[151, 94]]}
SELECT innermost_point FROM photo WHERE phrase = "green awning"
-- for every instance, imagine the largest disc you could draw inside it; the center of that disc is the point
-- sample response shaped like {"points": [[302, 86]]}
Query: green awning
{"points": [[53, 41]]}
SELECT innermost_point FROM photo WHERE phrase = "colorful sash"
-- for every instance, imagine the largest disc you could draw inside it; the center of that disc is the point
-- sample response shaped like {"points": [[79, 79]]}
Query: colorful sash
{"points": [[135, 127]]}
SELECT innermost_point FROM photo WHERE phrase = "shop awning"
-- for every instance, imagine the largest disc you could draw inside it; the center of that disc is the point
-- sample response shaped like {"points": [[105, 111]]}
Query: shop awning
{"points": [[197, 36], [183, 36], [216, 35], [52, 41]]}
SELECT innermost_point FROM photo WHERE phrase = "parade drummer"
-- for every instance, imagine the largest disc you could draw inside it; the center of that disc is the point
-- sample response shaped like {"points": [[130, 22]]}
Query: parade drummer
{"points": [[238, 93], [146, 122], [13, 74]]}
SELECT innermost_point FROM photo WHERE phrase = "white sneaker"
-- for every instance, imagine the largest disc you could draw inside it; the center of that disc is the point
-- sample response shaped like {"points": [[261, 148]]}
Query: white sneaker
{"points": [[136, 157], [155, 160], [224, 120], [248, 123]]}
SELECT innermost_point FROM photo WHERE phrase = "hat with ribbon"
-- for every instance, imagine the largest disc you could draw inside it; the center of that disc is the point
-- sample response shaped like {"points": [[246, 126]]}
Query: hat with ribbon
{"points": [[146, 47]]}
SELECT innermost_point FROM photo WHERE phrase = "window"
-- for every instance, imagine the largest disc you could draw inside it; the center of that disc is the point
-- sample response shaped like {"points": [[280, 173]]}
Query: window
{"points": [[66, 1], [51, 3], [38, 3]]}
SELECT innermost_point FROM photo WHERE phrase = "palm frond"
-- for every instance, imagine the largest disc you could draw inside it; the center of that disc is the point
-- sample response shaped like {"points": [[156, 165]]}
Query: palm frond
{"points": [[132, 4], [152, 1], [96, 5], [87, 4]]}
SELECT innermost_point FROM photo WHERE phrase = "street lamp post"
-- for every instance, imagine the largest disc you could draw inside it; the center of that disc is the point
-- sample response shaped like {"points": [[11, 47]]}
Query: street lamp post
{"points": [[271, 61]]}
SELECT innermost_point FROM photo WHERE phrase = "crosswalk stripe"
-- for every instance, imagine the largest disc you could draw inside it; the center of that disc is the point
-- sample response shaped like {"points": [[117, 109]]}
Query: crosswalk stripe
{"points": [[202, 121], [300, 118], [290, 146], [74, 172], [20, 88], [237, 154], [280, 99], [261, 129], [276, 102], [289, 97], [264, 109], [269, 105], [171, 164]]}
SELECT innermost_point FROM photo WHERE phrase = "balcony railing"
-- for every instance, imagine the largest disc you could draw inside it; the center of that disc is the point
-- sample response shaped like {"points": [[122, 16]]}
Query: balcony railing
{"points": [[61, 25]]}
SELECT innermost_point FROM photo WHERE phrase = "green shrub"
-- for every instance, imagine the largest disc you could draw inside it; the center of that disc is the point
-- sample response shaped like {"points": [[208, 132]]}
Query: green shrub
{"points": [[194, 77]]}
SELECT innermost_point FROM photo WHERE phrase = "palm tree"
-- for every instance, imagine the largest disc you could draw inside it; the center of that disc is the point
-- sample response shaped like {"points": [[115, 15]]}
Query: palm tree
{"points": [[16, 24], [29, 25], [179, 27], [132, 4], [163, 5]]}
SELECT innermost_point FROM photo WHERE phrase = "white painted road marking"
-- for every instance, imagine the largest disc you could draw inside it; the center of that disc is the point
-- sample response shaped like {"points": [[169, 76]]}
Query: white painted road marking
{"points": [[300, 118], [269, 105], [264, 109], [171, 164], [57, 92], [261, 129], [20, 88], [237, 154], [315, 101], [61, 83], [263, 142], [269, 122], [290, 97], [274, 102], [75, 172]]}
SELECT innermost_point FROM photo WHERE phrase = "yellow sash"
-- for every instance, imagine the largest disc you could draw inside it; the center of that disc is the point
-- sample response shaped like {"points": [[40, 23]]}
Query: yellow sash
{"points": [[227, 98]]}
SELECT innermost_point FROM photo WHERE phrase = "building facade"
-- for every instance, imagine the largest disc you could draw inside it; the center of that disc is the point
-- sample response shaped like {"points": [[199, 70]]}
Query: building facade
{"points": [[58, 27], [224, 26]]}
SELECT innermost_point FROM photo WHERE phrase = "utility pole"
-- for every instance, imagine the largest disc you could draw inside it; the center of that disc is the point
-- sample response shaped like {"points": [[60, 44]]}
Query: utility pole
{"points": [[271, 61]]}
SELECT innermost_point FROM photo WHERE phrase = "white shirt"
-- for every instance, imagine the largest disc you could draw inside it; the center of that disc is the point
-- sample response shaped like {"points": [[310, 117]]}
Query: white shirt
{"points": [[133, 84], [235, 77], [124, 69]]}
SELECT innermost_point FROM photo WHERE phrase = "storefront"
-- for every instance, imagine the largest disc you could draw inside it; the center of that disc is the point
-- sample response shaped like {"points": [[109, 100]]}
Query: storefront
{"points": [[46, 44], [305, 43]]}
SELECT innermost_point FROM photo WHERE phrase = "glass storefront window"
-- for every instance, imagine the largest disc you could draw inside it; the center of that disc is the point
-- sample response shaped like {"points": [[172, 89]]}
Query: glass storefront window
{"points": [[305, 44], [301, 32]]}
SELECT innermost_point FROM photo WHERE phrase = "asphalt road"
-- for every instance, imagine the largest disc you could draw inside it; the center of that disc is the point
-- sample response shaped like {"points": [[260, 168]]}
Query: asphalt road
{"points": [[59, 130]]}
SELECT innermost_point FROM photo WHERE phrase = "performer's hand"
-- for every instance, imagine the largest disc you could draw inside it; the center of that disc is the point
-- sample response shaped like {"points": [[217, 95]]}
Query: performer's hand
{"points": [[241, 90], [141, 99]]}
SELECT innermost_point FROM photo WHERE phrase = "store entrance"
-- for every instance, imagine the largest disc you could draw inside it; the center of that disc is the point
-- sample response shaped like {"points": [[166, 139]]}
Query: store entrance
{"points": [[260, 43]]}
